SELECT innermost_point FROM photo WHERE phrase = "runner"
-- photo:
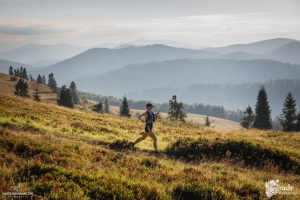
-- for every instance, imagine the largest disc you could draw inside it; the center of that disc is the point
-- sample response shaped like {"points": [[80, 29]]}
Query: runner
{"points": [[150, 118]]}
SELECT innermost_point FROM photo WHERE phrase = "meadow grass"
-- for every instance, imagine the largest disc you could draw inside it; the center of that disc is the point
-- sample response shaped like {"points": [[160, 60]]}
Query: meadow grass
{"points": [[61, 153]]}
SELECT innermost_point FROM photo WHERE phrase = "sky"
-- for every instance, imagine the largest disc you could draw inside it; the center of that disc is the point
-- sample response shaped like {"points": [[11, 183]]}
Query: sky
{"points": [[192, 22]]}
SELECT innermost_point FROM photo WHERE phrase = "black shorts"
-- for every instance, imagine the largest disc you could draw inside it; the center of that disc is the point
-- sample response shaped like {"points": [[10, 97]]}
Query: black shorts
{"points": [[148, 127]]}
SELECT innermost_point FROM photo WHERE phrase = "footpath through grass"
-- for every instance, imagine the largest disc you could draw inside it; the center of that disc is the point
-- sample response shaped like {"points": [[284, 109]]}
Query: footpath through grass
{"points": [[60, 153]]}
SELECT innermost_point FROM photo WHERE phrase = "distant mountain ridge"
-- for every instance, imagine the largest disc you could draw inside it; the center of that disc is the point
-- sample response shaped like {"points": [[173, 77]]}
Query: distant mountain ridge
{"points": [[183, 73], [99, 60], [287, 53], [36, 52], [260, 47]]}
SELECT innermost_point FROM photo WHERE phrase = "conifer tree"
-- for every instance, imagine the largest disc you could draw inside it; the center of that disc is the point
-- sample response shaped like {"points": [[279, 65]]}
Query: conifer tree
{"points": [[17, 72], [176, 110], [52, 83], [288, 117], [39, 80], [31, 78], [21, 72], [98, 107], [262, 119], [124, 108], [106, 106], [36, 95], [24, 74], [247, 120], [207, 121], [11, 71], [65, 97], [74, 92], [21, 88]]}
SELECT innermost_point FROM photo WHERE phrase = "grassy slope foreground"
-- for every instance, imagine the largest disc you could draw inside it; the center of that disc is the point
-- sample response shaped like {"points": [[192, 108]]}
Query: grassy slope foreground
{"points": [[60, 153]]}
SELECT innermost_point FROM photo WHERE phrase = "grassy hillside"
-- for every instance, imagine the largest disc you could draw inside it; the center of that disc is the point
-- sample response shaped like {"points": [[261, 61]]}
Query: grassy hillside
{"points": [[60, 153]]}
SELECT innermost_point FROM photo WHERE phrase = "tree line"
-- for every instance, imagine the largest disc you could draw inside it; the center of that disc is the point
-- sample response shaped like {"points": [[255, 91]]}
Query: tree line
{"points": [[196, 108], [260, 118]]}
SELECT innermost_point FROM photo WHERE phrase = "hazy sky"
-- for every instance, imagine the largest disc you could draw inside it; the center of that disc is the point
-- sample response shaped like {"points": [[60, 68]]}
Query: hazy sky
{"points": [[194, 22]]}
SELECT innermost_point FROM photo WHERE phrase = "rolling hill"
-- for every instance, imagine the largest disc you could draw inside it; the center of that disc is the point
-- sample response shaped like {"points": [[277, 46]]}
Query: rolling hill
{"points": [[287, 53], [98, 60], [183, 73], [260, 47], [46, 95]]}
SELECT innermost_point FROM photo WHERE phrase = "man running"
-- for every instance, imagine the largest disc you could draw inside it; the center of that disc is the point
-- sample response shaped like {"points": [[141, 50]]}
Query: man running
{"points": [[150, 118]]}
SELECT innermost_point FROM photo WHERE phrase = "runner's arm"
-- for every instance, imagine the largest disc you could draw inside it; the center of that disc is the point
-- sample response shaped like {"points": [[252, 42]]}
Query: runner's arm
{"points": [[144, 114]]}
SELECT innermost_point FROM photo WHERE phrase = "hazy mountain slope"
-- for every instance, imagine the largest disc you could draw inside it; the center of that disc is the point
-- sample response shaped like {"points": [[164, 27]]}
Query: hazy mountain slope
{"points": [[261, 47], [184, 72], [44, 63], [242, 56], [34, 52], [287, 53], [95, 61], [5, 64]]}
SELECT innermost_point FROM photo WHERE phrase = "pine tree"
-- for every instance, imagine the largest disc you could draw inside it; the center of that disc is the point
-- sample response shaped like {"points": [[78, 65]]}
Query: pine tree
{"points": [[21, 72], [262, 119], [124, 108], [44, 80], [17, 72], [98, 107], [74, 92], [65, 97], [21, 88], [11, 71], [106, 106], [207, 121], [176, 110], [24, 74], [247, 120], [36, 95], [39, 80], [31, 78], [52, 83], [288, 116]]}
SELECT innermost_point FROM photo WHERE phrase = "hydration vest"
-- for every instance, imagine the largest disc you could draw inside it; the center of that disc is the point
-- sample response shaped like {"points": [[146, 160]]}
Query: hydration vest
{"points": [[150, 119]]}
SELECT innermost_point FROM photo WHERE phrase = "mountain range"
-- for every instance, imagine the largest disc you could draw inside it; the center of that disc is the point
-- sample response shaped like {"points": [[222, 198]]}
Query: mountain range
{"points": [[262, 47], [134, 70], [185, 72], [102, 60]]}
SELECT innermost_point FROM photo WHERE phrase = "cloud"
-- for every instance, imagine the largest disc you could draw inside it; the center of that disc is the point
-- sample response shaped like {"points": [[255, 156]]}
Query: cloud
{"points": [[32, 27]]}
